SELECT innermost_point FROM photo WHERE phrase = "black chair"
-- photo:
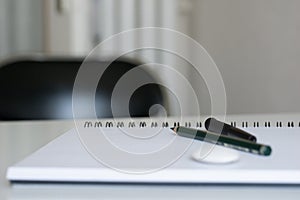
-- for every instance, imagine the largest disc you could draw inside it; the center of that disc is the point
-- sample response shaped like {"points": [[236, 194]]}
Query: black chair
{"points": [[38, 89]]}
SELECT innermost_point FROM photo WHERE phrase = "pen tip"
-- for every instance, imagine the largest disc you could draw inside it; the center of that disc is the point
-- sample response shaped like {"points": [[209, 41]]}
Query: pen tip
{"points": [[174, 129]]}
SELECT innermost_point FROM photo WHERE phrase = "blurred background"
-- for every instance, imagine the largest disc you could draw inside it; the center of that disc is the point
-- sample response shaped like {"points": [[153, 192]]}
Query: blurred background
{"points": [[255, 44]]}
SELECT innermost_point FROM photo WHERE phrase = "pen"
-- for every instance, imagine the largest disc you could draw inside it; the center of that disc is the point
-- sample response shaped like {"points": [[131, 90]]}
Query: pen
{"points": [[223, 140], [216, 126]]}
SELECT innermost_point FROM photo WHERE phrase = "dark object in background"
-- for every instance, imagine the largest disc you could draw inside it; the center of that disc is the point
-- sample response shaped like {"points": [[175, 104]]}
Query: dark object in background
{"points": [[42, 89]]}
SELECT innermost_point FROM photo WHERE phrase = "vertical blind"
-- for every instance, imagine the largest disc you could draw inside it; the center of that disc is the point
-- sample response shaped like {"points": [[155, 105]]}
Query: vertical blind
{"points": [[114, 16], [21, 27]]}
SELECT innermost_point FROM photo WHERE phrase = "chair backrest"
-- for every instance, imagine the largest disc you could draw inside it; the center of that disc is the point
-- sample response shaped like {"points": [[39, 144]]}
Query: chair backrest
{"points": [[42, 89]]}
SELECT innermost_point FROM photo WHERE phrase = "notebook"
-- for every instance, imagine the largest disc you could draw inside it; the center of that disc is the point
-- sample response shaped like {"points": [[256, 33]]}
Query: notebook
{"points": [[147, 151]]}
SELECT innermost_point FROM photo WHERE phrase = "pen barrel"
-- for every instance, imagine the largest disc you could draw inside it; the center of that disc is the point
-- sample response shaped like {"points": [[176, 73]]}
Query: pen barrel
{"points": [[216, 126], [226, 141]]}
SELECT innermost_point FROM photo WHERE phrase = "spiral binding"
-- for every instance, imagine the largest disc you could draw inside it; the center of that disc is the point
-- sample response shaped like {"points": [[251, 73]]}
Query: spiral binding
{"points": [[241, 122]]}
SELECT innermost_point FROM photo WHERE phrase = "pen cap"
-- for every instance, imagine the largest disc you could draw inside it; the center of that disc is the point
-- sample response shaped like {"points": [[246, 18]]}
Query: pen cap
{"points": [[216, 126]]}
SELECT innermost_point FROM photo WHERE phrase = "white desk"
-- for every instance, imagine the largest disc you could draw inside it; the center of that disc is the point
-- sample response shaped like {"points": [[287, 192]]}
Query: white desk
{"points": [[19, 139]]}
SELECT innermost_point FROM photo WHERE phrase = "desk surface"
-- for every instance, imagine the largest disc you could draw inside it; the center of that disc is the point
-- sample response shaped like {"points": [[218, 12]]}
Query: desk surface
{"points": [[19, 139]]}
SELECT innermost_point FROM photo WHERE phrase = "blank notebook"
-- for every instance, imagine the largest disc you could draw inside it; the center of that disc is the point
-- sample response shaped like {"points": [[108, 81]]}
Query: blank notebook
{"points": [[111, 153]]}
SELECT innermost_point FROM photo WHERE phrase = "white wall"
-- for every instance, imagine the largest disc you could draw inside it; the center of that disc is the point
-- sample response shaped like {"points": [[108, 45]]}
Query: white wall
{"points": [[256, 45]]}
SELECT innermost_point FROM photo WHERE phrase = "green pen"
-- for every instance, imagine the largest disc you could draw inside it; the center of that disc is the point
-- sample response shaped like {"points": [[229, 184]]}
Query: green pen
{"points": [[223, 140]]}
